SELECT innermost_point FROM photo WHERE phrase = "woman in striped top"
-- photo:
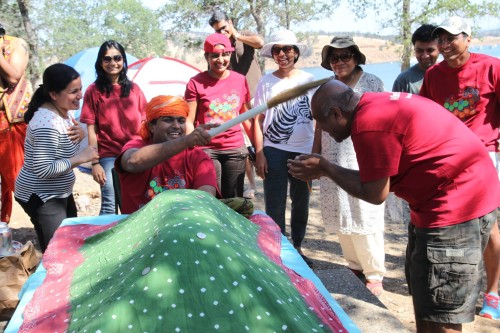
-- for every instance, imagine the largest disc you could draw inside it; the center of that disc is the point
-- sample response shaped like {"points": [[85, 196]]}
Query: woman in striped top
{"points": [[44, 186]]}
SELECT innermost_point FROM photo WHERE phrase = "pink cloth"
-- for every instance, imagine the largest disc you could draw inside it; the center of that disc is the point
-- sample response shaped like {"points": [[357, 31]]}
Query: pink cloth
{"points": [[50, 309]]}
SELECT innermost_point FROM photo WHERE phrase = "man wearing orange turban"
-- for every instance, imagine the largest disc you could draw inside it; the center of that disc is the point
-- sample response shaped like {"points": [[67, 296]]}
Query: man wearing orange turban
{"points": [[165, 158]]}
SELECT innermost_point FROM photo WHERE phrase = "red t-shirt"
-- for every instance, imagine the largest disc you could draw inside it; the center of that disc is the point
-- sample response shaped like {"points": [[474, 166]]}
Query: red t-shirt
{"points": [[117, 119], [471, 92], [219, 101], [190, 169], [434, 162]]}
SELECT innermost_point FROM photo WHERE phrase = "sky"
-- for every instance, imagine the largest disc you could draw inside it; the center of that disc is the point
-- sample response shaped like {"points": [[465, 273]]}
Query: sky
{"points": [[343, 19]]}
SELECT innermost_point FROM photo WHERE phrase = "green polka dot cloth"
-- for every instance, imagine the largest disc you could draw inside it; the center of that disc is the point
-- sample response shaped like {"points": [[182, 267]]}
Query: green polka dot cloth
{"points": [[185, 262]]}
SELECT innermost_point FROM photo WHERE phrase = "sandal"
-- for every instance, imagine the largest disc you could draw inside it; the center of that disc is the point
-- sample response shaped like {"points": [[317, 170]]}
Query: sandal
{"points": [[375, 287], [249, 194]]}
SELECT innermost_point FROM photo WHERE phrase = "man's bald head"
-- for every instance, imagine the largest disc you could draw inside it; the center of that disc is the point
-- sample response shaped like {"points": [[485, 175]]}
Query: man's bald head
{"points": [[333, 94]]}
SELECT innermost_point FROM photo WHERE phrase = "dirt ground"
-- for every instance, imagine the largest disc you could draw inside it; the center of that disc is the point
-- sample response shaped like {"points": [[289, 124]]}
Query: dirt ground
{"points": [[323, 248]]}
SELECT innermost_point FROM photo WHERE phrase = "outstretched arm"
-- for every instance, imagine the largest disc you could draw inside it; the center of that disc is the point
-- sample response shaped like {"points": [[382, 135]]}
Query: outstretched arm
{"points": [[313, 166], [137, 160]]}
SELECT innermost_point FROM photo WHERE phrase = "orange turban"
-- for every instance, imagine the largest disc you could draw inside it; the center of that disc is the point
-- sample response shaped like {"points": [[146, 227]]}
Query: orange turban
{"points": [[162, 106]]}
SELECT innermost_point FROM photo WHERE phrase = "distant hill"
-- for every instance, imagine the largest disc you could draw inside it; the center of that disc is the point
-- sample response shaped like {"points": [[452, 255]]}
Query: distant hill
{"points": [[376, 50]]}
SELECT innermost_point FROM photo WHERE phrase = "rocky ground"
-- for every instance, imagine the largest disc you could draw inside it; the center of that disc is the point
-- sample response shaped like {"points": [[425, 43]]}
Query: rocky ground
{"points": [[323, 248]]}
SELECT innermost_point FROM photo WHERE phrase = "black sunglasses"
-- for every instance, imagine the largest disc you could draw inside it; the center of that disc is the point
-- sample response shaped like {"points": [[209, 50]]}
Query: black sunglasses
{"points": [[277, 50], [345, 57], [116, 58]]}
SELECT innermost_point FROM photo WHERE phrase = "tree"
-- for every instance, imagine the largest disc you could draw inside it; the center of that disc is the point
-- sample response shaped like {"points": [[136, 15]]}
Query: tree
{"points": [[90, 23], [400, 14], [32, 40], [258, 15], [17, 22]]}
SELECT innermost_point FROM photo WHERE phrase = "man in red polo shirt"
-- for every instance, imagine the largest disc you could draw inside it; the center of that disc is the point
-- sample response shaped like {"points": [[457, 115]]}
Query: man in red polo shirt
{"points": [[411, 146]]}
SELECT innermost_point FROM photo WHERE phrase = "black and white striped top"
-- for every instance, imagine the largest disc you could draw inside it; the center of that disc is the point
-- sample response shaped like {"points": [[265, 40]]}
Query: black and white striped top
{"points": [[47, 170]]}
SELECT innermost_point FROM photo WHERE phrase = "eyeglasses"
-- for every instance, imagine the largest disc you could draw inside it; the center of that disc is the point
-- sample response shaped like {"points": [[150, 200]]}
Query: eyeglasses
{"points": [[286, 49], [345, 57], [448, 39], [116, 58]]}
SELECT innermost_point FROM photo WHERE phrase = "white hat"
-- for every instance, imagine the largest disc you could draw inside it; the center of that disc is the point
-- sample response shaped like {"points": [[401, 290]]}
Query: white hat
{"points": [[454, 25], [282, 37]]}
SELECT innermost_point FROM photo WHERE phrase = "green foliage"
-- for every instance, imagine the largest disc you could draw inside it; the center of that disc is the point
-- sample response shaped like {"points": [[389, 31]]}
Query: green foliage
{"points": [[255, 15], [67, 28], [406, 15], [11, 19]]}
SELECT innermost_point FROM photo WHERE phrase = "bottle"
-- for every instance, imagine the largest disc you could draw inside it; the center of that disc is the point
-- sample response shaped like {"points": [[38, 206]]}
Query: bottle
{"points": [[5, 239]]}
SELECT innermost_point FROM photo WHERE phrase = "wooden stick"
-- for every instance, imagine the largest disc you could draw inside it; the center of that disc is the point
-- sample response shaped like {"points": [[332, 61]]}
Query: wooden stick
{"points": [[278, 99]]}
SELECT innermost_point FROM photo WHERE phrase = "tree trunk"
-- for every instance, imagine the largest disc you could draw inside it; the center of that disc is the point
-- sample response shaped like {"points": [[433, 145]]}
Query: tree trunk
{"points": [[256, 12], [34, 74], [406, 35]]}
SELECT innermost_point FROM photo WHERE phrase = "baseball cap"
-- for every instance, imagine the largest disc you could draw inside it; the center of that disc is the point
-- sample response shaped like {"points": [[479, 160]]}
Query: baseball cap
{"points": [[454, 25], [217, 39]]}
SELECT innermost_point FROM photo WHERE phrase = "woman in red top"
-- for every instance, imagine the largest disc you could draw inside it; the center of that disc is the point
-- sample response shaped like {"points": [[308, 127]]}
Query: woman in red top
{"points": [[216, 96], [113, 108]]}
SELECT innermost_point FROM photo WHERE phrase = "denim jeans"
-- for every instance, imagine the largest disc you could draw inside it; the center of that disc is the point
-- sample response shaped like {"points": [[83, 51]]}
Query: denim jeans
{"points": [[107, 190], [230, 170], [275, 194]]}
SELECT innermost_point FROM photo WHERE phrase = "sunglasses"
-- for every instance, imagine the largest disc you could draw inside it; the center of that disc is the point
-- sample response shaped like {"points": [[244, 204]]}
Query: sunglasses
{"points": [[345, 57], [286, 49], [116, 58]]}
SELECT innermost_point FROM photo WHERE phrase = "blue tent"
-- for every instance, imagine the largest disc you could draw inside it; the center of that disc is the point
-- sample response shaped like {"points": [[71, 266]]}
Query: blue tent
{"points": [[84, 62]]}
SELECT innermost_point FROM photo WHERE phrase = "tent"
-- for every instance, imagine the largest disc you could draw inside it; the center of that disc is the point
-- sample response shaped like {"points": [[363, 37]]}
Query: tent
{"points": [[84, 62], [161, 76]]}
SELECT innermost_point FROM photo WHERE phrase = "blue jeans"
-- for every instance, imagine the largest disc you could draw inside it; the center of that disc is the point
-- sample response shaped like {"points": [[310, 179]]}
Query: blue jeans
{"points": [[275, 194], [107, 190]]}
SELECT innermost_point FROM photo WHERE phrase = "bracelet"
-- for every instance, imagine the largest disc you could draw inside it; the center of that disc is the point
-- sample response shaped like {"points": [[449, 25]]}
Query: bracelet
{"points": [[236, 36], [94, 163]]}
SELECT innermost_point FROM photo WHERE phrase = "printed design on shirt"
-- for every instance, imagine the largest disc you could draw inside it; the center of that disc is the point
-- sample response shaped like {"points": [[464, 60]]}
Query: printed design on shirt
{"points": [[286, 117], [225, 108], [463, 105], [156, 185]]}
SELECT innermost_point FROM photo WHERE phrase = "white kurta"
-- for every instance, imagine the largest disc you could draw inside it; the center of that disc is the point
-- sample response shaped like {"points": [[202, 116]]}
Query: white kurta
{"points": [[342, 212]]}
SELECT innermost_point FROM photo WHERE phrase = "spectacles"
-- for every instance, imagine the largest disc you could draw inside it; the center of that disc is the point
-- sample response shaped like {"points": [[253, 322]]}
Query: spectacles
{"points": [[116, 58], [345, 57], [448, 39], [286, 49]]}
